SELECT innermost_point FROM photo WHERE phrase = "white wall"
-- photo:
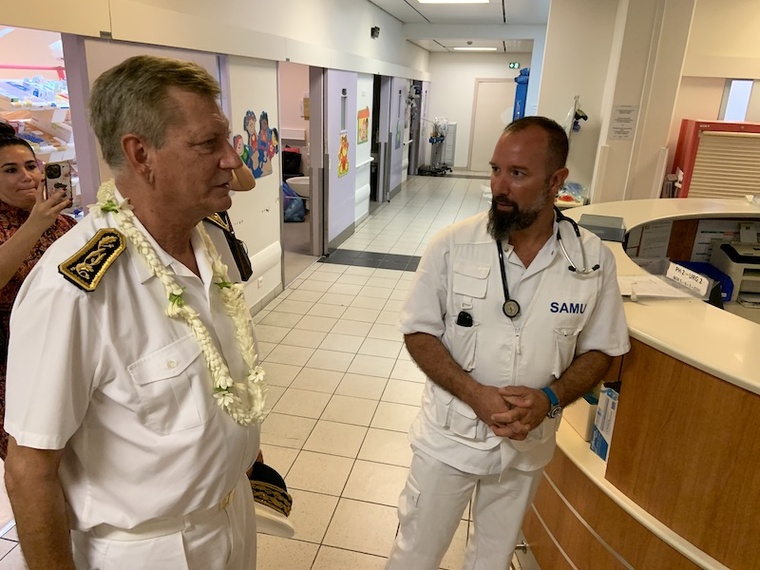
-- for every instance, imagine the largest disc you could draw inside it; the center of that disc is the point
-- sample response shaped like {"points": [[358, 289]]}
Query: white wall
{"points": [[287, 30], [256, 214], [293, 86], [723, 44], [452, 91], [579, 38], [28, 47]]}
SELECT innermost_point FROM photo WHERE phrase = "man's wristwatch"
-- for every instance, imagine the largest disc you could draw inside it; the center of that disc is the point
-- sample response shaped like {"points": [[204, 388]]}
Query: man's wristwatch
{"points": [[555, 409]]}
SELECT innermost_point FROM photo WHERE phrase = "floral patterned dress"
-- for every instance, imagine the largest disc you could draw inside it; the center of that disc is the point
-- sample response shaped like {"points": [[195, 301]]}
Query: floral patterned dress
{"points": [[11, 219]]}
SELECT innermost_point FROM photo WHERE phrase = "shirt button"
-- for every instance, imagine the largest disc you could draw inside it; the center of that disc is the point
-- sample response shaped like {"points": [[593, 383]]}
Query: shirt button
{"points": [[170, 364]]}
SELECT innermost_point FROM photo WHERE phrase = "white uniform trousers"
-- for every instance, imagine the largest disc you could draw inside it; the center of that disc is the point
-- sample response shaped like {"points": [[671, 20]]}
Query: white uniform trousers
{"points": [[221, 538], [431, 506]]}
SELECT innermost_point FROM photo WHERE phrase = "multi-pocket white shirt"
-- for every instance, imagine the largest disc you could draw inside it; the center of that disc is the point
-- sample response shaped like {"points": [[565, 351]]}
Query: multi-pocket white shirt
{"points": [[124, 389], [562, 314]]}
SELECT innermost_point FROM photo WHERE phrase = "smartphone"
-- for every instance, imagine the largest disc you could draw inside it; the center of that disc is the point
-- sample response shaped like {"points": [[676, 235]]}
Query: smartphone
{"points": [[58, 177]]}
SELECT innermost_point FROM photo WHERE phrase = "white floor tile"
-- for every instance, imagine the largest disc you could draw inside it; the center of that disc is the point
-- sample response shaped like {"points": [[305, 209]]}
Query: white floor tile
{"points": [[371, 365], [297, 307], [388, 318], [295, 355], [311, 285], [361, 314], [303, 338], [312, 323], [354, 328], [385, 332], [279, 458], [14, 560], [364, 302], [394, 417], [403, 392], [319, 473], [345, 289], [311, 514], [350, 410], [342, 342], [275, 553], [264, 348], [383, 282], [318, 380], [356, 270], [382, 446], [376, 292], [381, 347], [336, 299], [302, 403], [353, 279], [376, 483], [278, 319], [327, 310], [331, 360], [330, 558], [362, 527], [286, 431], [394, 305], [336, 439], [269, 333], [409, 371], [454, 557], [362, 386], [329, 268], [304, 295], [280, 374], [327, 276], [274, 393]]}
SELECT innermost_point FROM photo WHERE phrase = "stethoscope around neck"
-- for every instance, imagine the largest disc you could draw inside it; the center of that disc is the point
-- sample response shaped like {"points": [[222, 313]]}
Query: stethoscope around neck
{"points": [[511, 308]]}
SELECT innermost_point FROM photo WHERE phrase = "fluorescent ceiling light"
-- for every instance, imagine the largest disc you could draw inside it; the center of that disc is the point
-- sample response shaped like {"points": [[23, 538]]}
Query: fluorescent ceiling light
{"points": [[475, 49], [453, 1]]}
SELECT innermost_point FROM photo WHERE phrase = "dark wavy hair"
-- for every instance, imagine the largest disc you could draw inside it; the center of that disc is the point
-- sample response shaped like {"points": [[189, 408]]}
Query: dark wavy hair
{"points": [[8, 137]]}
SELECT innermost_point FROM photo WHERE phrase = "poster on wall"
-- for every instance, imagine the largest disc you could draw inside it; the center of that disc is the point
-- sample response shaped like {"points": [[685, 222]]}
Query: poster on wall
{"points": [[343, 154], [399, 131], [363, 120], [257, 147]]}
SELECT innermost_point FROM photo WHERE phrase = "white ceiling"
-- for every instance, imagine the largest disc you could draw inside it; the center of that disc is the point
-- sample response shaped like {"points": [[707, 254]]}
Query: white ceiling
{"points": [[441, 27]]}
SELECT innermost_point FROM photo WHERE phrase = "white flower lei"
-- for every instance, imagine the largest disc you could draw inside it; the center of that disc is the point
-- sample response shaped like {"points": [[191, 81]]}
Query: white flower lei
{"points": [[243, 401]]}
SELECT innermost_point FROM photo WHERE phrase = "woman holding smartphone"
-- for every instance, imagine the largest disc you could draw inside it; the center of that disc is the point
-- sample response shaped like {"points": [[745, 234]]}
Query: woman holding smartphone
{"points": [[29, 223]]}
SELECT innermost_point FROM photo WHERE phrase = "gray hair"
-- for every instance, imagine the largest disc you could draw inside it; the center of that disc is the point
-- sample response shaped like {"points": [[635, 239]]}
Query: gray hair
{"points": [[133, 97]]}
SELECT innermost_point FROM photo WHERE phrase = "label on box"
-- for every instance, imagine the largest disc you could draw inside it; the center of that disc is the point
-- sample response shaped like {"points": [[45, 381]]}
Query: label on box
{"points": [[688, 278]]}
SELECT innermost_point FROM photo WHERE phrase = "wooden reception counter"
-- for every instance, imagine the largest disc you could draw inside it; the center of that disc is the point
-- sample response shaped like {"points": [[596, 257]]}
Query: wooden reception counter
{"points": [[681, 486]]}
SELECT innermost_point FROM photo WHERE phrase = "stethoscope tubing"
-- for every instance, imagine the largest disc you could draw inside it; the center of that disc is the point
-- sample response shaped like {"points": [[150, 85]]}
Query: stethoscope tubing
{"points": [[511, 308]]}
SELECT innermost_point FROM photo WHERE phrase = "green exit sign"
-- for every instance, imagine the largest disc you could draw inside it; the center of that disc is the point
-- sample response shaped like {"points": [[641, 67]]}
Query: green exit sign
{"points": [[514, 65]]}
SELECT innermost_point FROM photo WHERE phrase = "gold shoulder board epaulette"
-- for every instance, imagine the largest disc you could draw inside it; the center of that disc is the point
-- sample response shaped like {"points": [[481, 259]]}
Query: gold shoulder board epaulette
{"points": [[217, 220], [86, 267]]}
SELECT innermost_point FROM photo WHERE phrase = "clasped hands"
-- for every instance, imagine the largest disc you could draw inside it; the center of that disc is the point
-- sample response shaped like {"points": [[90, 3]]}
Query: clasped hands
{"points": [[511, 411]]}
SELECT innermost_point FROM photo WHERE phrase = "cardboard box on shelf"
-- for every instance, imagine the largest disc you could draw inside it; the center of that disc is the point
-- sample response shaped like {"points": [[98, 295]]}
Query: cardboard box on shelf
{"points": [[604, 421], [580, 415]]}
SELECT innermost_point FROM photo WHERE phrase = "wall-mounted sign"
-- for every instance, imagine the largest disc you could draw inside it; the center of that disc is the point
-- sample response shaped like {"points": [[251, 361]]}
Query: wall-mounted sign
{"points": [[363, 120], [514, 65], [623, 122]]}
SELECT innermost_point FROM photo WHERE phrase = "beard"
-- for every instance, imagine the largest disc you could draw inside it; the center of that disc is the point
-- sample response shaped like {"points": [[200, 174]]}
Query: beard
{"points": [[502, 224]]}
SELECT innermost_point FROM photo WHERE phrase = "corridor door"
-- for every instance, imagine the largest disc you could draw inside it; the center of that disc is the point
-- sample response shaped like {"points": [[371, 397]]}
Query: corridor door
{"points": [[492, 111]]}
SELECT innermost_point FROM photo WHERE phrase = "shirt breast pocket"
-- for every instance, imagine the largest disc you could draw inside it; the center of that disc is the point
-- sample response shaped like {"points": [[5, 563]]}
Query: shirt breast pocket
{"points": [[470, 285], [565, 341], [172, 395]]}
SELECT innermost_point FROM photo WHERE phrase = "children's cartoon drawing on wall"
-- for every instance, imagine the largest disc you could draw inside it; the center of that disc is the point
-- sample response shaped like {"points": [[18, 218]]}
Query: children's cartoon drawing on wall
{"points": [[343, 155], [257, 148], [363, 119]]}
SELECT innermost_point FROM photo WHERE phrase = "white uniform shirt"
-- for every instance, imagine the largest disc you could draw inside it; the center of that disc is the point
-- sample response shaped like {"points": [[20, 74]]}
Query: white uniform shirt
{"points": [[562, 314], [124, 388]]}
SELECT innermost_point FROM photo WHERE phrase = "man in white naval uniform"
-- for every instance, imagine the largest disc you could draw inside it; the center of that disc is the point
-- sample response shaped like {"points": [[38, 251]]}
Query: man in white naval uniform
{"points": [[129, 448], [507, 334]]}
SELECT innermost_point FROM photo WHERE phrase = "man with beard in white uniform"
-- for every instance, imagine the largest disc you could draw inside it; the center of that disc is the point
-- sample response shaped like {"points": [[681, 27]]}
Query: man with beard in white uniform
{"points": [[134, 391], [508, 332]]}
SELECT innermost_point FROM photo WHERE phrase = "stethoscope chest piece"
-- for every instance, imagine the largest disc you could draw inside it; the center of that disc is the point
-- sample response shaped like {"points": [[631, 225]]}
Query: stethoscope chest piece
{"points": [[511, 308]]}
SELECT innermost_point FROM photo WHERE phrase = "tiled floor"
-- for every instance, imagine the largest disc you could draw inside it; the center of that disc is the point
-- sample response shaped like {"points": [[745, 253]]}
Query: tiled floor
{"points": [[343, 392]]}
